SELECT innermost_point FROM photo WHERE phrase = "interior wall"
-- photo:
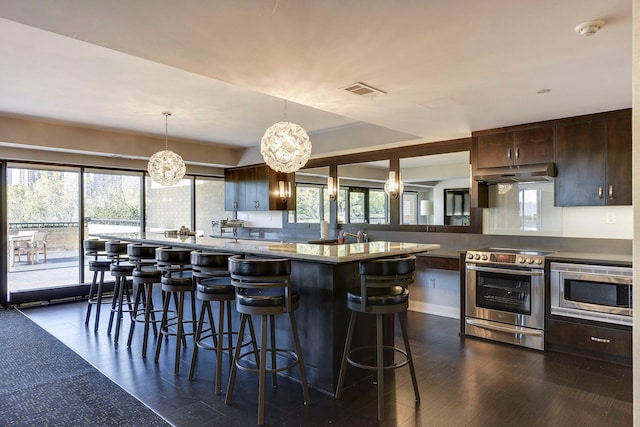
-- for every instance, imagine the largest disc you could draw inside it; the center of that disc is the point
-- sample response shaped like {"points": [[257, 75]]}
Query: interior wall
{"points": [[636, 210], [33, 140]]}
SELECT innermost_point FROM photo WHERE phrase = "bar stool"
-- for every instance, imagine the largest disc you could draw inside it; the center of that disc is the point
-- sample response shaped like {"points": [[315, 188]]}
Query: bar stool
{"points": [[99, 265], [212, 281], [175, 264], [145, 275], [382, 290], [263, 288], [120, 270]]}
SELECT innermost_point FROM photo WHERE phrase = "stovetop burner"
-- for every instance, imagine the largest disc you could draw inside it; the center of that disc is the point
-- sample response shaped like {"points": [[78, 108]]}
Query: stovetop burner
{"points": [[508, 256]]}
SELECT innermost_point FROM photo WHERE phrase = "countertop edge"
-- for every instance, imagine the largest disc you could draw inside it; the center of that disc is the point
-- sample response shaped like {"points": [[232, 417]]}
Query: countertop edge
{"points": [[286, 250]]}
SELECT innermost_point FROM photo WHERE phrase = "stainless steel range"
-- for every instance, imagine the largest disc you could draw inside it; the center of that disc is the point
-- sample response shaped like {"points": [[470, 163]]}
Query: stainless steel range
{"points": [[505, 295]]}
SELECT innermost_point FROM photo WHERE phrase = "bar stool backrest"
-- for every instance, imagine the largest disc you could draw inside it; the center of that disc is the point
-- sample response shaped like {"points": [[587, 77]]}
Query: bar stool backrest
{"points": [[386, 273], [116, 250], [171, 260], [207, 265], [142, 254], [261, 273], [94, 247]]}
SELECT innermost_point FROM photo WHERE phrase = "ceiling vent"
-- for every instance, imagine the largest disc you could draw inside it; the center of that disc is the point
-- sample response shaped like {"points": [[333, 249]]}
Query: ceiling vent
{"points": [[362, 89]]}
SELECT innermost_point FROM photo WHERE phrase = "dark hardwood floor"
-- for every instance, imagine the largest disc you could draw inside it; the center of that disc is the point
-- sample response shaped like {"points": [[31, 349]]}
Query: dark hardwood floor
{"points": [[463, 382]]}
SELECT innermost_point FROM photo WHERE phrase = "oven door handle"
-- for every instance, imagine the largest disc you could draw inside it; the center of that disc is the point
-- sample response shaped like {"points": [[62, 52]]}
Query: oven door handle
{"points": [[505, 270], [508, 329]]}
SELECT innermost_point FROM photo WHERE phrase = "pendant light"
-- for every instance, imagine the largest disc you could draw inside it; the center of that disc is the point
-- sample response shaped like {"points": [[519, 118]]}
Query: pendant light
{"points": [[285, 147], [393, 186], [166, 167]]}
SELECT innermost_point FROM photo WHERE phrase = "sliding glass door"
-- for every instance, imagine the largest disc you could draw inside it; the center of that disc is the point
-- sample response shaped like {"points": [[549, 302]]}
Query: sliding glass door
{"points": [[112, 204], [43, 228]]}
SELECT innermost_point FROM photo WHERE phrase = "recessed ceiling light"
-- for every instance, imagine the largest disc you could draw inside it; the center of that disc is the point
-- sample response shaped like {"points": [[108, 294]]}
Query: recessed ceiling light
{"points": [[589, 28], [544, 91]]}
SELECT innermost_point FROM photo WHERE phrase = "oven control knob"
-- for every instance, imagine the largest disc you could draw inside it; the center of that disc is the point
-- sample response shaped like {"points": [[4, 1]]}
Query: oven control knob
{"points": [[539, 261], [529, 260], [485, 257], [477, 256], [521, 260], [469, 255]]}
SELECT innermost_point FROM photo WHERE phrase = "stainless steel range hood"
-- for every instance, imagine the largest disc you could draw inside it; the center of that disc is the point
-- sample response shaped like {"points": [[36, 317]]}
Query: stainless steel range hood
{"points": [[539, 172]]}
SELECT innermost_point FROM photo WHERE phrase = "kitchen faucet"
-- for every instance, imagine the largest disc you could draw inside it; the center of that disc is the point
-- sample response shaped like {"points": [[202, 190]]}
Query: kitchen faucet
{"points": [[360, 236]]}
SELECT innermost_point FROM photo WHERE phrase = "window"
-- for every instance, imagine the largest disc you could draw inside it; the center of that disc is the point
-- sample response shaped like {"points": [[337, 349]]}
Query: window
{"points": [[43, 226], [168, 208], [111, 205], [358, 205], [409, 208], [529, 208], [309, 204], [378, 207], [209, 204]]}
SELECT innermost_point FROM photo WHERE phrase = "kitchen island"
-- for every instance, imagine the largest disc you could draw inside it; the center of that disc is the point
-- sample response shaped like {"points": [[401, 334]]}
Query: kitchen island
{"points": [[322, 274]]}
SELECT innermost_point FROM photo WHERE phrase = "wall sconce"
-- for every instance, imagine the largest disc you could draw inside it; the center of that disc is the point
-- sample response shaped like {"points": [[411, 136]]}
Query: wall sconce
{"points": [[332, 187], [393, 186], [426, 207], [284, 190]]}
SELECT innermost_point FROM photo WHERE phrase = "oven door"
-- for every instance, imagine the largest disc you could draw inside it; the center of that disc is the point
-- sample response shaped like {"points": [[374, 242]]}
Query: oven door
{"points": [[507, 295]]}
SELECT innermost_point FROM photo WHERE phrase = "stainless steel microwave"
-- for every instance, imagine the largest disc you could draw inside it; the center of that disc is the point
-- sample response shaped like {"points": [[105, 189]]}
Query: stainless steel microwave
{"points": [[592, 292]]}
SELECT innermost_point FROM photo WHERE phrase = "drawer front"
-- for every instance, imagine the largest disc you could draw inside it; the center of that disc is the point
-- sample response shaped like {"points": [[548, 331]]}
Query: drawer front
{"points": [[590, 340]]}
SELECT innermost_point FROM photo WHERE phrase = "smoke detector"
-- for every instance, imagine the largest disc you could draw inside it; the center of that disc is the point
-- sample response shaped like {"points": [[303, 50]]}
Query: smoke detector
{"points": [[362, 89], [589, 28]]}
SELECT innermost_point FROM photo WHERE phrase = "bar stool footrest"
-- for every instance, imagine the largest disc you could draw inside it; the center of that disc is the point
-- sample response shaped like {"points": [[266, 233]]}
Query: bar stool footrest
{"points": [[139, 317], [206, 335], [291, 356], [394, 365]]}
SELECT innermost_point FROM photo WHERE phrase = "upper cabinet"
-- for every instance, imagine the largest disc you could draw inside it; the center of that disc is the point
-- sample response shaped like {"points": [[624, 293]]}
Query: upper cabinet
{"points": [[258, 188], [594, 161], [522, 147]]}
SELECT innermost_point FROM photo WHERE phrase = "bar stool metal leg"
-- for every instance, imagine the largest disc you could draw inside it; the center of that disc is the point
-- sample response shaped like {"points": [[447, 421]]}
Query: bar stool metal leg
{"points": [[345, 355], [402, 316], [380, 365], [298, 347]]}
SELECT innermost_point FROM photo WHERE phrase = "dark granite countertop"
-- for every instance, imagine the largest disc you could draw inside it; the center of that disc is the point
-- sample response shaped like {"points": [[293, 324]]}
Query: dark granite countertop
{"points": [[591, 257]]}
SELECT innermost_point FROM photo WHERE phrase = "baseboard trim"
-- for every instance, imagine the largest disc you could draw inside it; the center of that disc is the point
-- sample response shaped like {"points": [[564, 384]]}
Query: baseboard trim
{"points": [[435, 309]]}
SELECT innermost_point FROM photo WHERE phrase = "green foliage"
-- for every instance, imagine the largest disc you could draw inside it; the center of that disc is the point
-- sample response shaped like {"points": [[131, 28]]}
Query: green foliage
{"points": [[52, 196]]}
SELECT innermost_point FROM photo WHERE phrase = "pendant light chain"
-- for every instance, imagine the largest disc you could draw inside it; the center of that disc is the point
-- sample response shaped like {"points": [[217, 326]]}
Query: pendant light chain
{"points": [[166, 130]]}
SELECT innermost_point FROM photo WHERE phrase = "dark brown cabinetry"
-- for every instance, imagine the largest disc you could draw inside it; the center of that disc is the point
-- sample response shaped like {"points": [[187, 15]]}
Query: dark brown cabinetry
{"points": [[594, 161], [522, 147], [258, 189], [590, 340]]}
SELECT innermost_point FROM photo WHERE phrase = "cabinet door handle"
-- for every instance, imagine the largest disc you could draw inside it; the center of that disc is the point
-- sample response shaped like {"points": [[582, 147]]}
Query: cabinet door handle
{"points": [[601, 340], [235, 205], [256, 204], [600, 192], [610, 192], [518, 153], [509, 154]]}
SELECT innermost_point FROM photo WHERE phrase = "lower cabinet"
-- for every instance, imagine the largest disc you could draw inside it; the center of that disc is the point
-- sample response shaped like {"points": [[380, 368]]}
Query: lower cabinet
{"points": [[595, 340]]}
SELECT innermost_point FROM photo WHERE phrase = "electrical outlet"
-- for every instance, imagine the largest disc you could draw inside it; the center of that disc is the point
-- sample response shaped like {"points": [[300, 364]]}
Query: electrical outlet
{"points": [[610, 217], [432, 283]]}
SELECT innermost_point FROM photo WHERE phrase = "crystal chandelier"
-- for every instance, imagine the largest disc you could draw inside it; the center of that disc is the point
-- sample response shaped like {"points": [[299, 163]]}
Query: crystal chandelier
{"points": [[166, 167], [285, 146]]}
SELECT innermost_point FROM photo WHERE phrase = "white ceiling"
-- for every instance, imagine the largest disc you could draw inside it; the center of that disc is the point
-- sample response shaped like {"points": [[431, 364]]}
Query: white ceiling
{"points": [[222, 67]]}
